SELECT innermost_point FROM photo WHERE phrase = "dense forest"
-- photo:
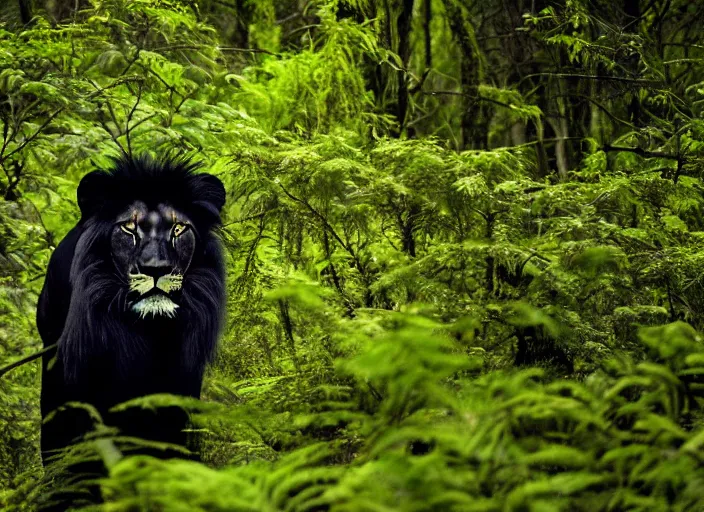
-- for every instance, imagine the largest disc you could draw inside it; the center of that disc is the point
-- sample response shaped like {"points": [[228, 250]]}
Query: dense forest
{"points": [[463, 241]]}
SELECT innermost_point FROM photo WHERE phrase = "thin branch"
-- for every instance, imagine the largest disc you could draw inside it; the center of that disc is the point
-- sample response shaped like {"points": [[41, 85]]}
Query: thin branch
{"points": [[33, 136], [219, 48], [7, 136], [420, 83], [116, 83], [445, 93], [643, 81], [143, 120], [28, 359], [642, 15], [327, 226], [129, 118], [684, 45], [288, 18], [642, 152], [244, 219], [485, 216], [317, 214], [247, 50], [113, 136], [606, 111], [473, 96], [534, 254]]}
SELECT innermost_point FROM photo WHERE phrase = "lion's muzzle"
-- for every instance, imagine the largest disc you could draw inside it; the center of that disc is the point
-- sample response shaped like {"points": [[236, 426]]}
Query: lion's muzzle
{"points": [[155, 304]]}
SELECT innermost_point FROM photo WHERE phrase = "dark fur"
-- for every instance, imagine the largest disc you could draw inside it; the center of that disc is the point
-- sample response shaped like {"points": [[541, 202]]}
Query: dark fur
{"points": [[105, 355]]}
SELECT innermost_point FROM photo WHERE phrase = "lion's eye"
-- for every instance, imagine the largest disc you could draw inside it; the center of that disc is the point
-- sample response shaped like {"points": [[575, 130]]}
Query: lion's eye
{"points": [[129, 227], [179, 229]]}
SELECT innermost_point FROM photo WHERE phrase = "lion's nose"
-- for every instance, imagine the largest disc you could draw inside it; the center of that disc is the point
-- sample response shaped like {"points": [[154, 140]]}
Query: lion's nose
{"points": [[155, 269], [153, 259]]}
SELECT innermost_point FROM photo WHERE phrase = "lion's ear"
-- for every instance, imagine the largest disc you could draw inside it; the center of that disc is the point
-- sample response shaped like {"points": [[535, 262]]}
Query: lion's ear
{"points": [[91, 192], [209, 189]]}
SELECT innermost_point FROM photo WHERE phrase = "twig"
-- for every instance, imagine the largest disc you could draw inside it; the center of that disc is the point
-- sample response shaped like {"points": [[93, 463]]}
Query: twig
{"points": [[33, 136], [27, 359], [129, 118], [642, 152], [327, 226], [597, 77], [220, 48], [474, 96]]}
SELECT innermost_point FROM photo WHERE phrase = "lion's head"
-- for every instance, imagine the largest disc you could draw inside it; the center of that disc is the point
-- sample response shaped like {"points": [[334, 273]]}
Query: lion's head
{"points": [[147, 265], [159, 213]]}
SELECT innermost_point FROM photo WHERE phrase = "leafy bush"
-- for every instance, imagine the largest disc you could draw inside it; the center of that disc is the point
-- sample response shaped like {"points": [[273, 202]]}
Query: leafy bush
{"points": [[463, 245]]}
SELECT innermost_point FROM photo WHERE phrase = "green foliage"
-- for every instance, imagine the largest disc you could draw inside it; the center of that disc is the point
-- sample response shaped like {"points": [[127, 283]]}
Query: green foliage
{"points": [[464, 264], [425, 436]]}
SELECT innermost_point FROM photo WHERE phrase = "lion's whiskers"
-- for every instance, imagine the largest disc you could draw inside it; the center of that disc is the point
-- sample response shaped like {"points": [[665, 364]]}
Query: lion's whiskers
{"points": [[141, 283], [170, 282]]}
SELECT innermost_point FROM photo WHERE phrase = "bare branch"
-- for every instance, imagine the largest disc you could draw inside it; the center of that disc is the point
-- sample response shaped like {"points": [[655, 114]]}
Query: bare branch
{"points": [[28, 359]]}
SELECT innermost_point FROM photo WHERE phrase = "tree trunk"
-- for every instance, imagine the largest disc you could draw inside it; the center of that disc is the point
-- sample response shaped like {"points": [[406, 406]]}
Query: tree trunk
{"points": [[403, 25], [64, 10], [427, 17], [243, 16], [25, 11], [470, 76]]}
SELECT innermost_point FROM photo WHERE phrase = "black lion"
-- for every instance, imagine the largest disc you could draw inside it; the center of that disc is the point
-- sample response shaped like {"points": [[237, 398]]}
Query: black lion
{"points": [[134, 296]]}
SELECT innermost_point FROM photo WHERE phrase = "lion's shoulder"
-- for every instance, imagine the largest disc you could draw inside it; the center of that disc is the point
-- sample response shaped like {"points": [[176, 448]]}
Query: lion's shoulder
{"points": [[55, 297]]}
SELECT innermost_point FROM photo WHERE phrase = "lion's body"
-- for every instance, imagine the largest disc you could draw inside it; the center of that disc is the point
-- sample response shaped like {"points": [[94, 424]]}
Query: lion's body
{"points": [[109, 349]]}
